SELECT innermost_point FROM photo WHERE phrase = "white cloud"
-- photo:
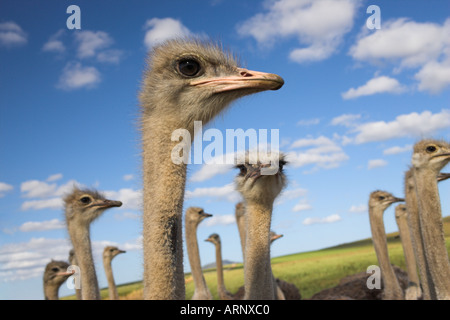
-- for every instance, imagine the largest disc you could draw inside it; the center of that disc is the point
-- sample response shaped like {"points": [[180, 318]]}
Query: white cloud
{"points": [[25, 260], [131, 199], [319, 26], [381, 84], [208, 171], [37, 189], [11, 34], [290, 194], [397, 149], [402, 40], [308, 122], [220, 220], [128, 177], [407, 125], [110, 56], [4, 187], [376, 163], [55, 177], [76, 76], [359, 208], [303, 205], [227, 192], [330, 219], [53, 203], [42, 225], [90, 42], [54, 44], [434, 76], [159, 30], [409, 44], [324, 153], [347, 120]]}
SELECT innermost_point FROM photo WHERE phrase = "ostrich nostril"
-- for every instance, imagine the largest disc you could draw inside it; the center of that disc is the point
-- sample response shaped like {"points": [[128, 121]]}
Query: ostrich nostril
{"points": [[245, 73]]}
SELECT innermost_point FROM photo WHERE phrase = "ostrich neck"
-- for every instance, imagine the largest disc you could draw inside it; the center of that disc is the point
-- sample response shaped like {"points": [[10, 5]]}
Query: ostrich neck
{"points": [[257, 269], [163, 194], [201, 290], [81, 241], [51, 292], [241, 228], [113, 294], [416, 237], [408, 249], [433, 231], [392, 289], [219, 266]]}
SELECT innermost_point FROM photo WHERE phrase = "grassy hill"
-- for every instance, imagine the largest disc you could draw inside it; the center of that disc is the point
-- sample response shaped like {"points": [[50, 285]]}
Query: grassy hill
{"points": [[310, 271]]}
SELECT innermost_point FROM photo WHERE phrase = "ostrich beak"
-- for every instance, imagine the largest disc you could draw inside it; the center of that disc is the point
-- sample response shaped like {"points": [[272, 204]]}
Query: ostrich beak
{"points": [[275, 237], [206, 215], [395, 199], [66, 273], [108, 203], [122, 251], [443, 176], [246, 79]]}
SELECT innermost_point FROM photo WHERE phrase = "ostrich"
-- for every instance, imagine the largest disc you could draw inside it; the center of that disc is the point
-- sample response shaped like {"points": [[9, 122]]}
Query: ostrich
{"points": [[224, 294], [54, 276], [239, 213], [73, 262], [186, 80], [284, 290], [428, 159], [108, 254], [193, 218], [82, 207], [259, 192], [412, 209], [413, 291], [379, 201]]}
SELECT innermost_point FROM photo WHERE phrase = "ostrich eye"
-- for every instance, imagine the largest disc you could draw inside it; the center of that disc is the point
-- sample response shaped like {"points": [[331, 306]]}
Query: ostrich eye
{"points": [[111, 250], [381, 198], [188, 67], [85, 200], [243, 170], [431, 149], [55, 269]]}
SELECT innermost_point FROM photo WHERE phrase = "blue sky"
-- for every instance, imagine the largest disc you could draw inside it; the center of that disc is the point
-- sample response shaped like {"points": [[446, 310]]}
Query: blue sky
{"points": [[354, 102]]}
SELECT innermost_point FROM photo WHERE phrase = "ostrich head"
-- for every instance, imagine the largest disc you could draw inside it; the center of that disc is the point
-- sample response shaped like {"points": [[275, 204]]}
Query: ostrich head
{"points": [[193, 80], [84, 205], [110, 252], [382, 199], [195, 215], [431, 154], [254, 185]]}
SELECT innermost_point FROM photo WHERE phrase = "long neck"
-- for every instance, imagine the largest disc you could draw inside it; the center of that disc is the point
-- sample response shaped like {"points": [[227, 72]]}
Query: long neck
{"points": [[201, 291], [219, 267], [113, 294], [241, 227], [412, 208], [163, 194], [257, 269], [81, 241], [392, 289], [51, 291], [433, 231], [408, 250]]}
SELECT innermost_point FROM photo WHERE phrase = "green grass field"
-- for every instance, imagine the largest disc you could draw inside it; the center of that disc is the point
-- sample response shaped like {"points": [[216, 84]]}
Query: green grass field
{"points": [[311, 271]]}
